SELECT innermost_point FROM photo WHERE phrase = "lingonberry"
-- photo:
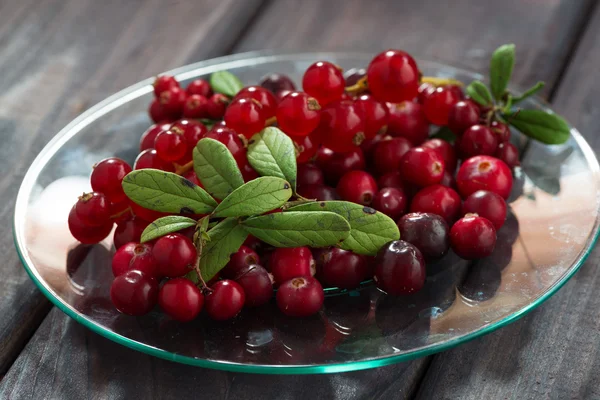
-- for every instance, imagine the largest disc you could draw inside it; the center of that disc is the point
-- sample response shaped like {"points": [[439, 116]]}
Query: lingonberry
{"points": [[508, 153], [248, 173], [145, 213], [390, 180], [129, 230], [456, 89], [134, 293], [341, 163], [390, 201], [280, 95], [245, 116], [463, 115], [407, 120], [199, 87], [422, 166], [439, 200], [300, 296], [323, 156], [257, 285], [225, 300], [107, 176], [173, 100], [147, 139], [444, 150], [343, 269], [353, 75], [399, 268], [388, 154], [267, 100], [149, 159], [158, 113], [357, 187], [84, 233], [163, 83], [438, 104], [180, 299], [323, 81], [121, 211], [484, 173], [376, 115], [192, 177], [175, 255], [393, 76], [93, 209], [488, 205], [134, 256], [342, 126], [170, 145], [425, 89], [501, 130], [191, 130], [318, 192], [196, 106], [478, 140], [427, 232], [217, 104], [230, 139], [309, 174], [473, 237], [288, 263], [448, 180], [306, 148], [368, 146], [277, 82], [298, 114], [239, 260]]}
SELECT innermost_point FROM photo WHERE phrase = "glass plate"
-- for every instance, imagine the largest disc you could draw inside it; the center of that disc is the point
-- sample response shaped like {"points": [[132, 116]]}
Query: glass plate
{"points": [[552, 226]]}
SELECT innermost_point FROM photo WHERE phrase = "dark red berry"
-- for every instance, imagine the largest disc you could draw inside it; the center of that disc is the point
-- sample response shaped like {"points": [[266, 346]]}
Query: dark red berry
{"points": [[134, 256], [298, 114], [358, 187], [478, 140], [248, 173], [199, 87], [217, 104], [341, 163], [399, 268], [501, 130], [150, 159], [439, 200], [393, 76], [146, 214], [473, 237], [408, 121], [93, 209], [376, 115], [309, 174], [444, 150], [306, 148], [231, 140], [448, 180], [390, 201], [343, 269], [128, 231], [107, 176], [508, 153], [245, 116], [225, 300], [191, 130], [425, 89], [277, 82], [267, 100], [427, 232], [148, 137], [170, 145], [175, 255], [422, 166], [388, 154], [352, 76], [239, 260], [456, 89], [484, 173], [438, 104], [323, 81], [120, 212], [463, 115], [391, 180], [342, 126], [488, 205], [180, 299], [257, 285], [87, 234], [318, 192], [163, 83], [158, 114], [192, 177], [368, 146], [173, 100], [134, 293], [300, 297], [288, 263], [282, 93], [196, 106]]}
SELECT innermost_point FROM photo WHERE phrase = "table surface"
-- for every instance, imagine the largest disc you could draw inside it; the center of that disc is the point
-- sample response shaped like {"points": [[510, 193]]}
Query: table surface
{"points": [[58, 57]]}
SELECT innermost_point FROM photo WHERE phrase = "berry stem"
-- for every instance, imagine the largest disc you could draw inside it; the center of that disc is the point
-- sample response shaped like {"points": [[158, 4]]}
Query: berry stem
{"points": [[182, 169], [199, 239], [271, 121], [360, 86], [436, 81], [120, 213]]}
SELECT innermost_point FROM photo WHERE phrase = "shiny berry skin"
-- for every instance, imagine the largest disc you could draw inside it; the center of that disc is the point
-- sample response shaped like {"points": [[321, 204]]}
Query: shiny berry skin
{"points": [[199, 87], [238, 261], [427, 232], [309, 174], [129, 231], [245, 116], [107, 176], [300, 297], [393, 76], [508, 153], [288, 263], [134, 256], [390, 201], [230, 139], [484, 173], [306, 148], [444, 150], [180, 299], [358, 187], [478, 140], [163, 83], [173, 100], [422, 166], [134, 293], [342, 126], [93, 209], [425, 89], [448, 180], [318, 192], [158, 113], [298, 114], [196, 106], [438, 104], [463, 115], [473, 237], [170, 145], [341, 163], [175, 255], [323, 81], [352, 76], [145, 213], [488, 205], [399, 268], [84, 233], [248, 173], [343, 269], [390, 180], [457, 90], [375, 113], [408, 121], [217, 104], [257, 285], [439, 200], [192, 177], [225, 301], [191, 130], [388, 154], [277, 82], [368, 146], [149, 159], [267, 100], [148, 137], [501, 130]]}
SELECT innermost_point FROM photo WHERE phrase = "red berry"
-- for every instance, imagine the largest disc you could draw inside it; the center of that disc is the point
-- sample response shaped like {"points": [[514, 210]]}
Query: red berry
{"points": [[266, 99], [196, 106], [399, 268], [120, 212], [231, 140], [217, 104], [107, 176], [288, 263], [147, 139], [158, 113], [129, 231], [163, 83], [427, 232], [199, 87], [438, 104], [248, 173], [175, 255], [84, 233], [390, 201], [488, 205], [407, 120], [309, 174], [473, 237], [357, 187], [376, 115], [318, 192], [388, 154], [134, 256], [368, 146], [425, 89], [277, 82], [343, 269], [306, 148], [448, 180], [134, 293], [146, 214], [323, 81], [191, 130], [225, 301], [239, 260], [463, 115], [245, 116], [484, 173], [456, 89], [170, 145], [173, 100], [444, 150], [93, 209], [150, 159], [422, 166], [257, 285], [501, 130], [508, 153], [192, 177], [393, 76], [342, 126], [298, 114], [439, 200], [300, 297], [180, 299], [391, 180], [341, 163], [478, 140]]}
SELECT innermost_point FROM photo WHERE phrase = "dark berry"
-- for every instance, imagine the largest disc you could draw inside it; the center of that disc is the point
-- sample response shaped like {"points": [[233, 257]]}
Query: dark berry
{"points": [[170, 145], [107, 176], [277, 82], [425, 89], [463, 115], [146, 214], [438, 104], [225, 300], [390, 201], [473, 237], [376, 115], [323, 81], [439, 200], [342, 126], [134, 293], [368, 146], [196, 106], [358, 187], [239, 260], [175, 255], [158, 114], [444, 150], [391, 180], [309, 174], [134, 256], [163, 83], [448, 180], [267, 100], [408, 121], [248, 173], [148, 137], [422, 166], [217, 104], [343, 269], [352, 76], [427, 232], [298, 114], [341, 163], [173, 100], [501, 130], [399, 268], [478, 140], [257, 285], [508, 153], [93, 209], [488, 205], [87, 234], [388, 154], [129, 230], [245, 116], [149, 159], [393, 76], [288, 263], [457, 90], [318, 192], [300, 297], [484, 173], [180, 299], [199, 87]]}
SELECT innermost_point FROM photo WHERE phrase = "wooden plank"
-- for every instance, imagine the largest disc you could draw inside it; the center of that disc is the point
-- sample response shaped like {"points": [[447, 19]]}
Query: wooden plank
{"points": [[59, 57]]}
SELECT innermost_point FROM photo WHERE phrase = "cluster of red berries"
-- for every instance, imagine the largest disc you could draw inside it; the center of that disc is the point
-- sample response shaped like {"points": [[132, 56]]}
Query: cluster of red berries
{"points": [[362, 137]]}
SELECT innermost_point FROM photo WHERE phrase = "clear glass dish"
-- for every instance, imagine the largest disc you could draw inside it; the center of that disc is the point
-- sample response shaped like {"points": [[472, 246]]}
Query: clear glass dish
{"points": [[548, 235]]}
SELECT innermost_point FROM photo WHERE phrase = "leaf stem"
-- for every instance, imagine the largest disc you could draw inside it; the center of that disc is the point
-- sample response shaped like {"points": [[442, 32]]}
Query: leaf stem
{"points": [[360, 86], [436, 81]]}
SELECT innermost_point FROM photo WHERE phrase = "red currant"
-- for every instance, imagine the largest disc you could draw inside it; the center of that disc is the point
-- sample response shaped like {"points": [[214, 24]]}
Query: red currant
{"points": [[399, 268], [484, 173], [391, 180], [407, 120], [245, 116], [239, 260], [422, 166], [267, 100], [300, 297], [427, 232], [309, 174], [439, 200], [93, 209], [488, 205], [107, 176], [277, 82], [306, 148], [473, 237], [134, 256], [478, 140], [147, 139], [196, 106], [149, 159], [501, 130], [376, 115], [323, 81], [225, 301], [463, 115], [342, 126], [173, 100], [134, 293], [180, 299], [438, 104], [357, 187], [343, 269], [298, 114], [318, 192], [388, 154], [217, 104], [163, 83], [175, 255], [199, 87], [390, 201], [393, 76], [170, 145], [84, 233], [288, 263], [508, 153], [128, 231], [444, 150], [257, 285], [342, 163]]}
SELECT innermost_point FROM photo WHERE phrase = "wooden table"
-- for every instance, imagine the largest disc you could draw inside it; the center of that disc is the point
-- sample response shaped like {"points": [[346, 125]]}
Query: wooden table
{"points": [[58, 57]]}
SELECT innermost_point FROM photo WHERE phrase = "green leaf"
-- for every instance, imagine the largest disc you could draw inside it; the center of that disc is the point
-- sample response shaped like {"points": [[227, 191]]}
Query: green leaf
{"points": [[501, 67], [444, 133], [255, 197], [166, 192], [540, 125], [216, 168], [208, 123], [529, 92], [226, 83], [370, 229], [165, 225], [480, 93], [295, 228], [224, 240], [271, 153]]}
